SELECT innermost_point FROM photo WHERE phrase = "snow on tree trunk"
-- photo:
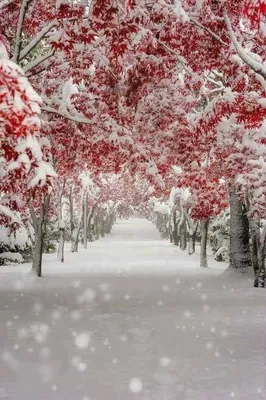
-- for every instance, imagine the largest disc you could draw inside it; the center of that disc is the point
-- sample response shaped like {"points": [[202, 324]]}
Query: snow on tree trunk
{"points": [[85, 220], [37, 255], [75, 238], [75, 228], [39, 224], [239, 233], [183, 235], [171, 229], [260, 274], [61, 244], [183, 231], [192, 238], [255, 244], [90, 226], [175, 230], [203, 243]]}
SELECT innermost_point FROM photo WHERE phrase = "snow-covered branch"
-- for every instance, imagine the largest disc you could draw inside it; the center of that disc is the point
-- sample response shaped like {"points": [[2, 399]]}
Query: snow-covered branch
{"points": [[22, 14], [213, 34], [30, 46], [74, 118], [180, 58], [38, 61], [253, 64]]}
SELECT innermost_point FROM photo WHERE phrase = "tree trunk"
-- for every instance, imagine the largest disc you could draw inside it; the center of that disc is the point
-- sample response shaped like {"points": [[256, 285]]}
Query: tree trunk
{"points": [[75, 239], [61, 244], [85, 220], [75, 230], [72, 222], [61, 225], [239, 233], [203, 243], [260, 273], [183, 235], [171, 228], [39, 224], [255, 244], [192, 238], [175, 230], [90, 226]]}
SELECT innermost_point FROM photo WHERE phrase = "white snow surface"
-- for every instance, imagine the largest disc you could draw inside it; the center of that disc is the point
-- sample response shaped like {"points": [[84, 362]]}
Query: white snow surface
{"points": [[131, 317]]}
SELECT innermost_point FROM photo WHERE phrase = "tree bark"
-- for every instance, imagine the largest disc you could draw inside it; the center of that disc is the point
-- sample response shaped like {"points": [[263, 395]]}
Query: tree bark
{"points": [[260, 273], [175, 230], [203, 243], [192, 238], [239, 233], [61, 225], [183, 234], [255, 244], [61, 244], [39, 224], [85, 220]]}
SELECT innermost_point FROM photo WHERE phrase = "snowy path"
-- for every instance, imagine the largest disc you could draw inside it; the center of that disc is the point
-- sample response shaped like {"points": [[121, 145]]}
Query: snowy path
{"points": [[186, 333]]}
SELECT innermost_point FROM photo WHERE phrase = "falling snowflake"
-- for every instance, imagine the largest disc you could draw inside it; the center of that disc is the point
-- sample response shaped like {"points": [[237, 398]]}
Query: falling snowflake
{"points": [[87, 296], [165, 361], [82, 367], [209, 345], [82, 340], [224, 333], [103, 287], [135, 385], [187, 314]]}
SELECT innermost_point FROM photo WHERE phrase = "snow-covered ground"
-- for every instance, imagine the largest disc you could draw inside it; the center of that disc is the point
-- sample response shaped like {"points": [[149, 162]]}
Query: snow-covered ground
{"points": [[131, 317]]}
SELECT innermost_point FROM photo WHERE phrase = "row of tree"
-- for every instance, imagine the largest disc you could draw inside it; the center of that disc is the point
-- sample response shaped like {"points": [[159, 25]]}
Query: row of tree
{"points": [[169, 93]]}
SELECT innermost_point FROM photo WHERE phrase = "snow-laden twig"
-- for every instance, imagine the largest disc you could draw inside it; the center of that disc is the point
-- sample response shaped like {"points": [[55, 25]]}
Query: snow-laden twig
{"points": [[38, 61], [30, 46], [253, 64], [213, 34], [180, 58], [22, 14], [74, 118]]}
